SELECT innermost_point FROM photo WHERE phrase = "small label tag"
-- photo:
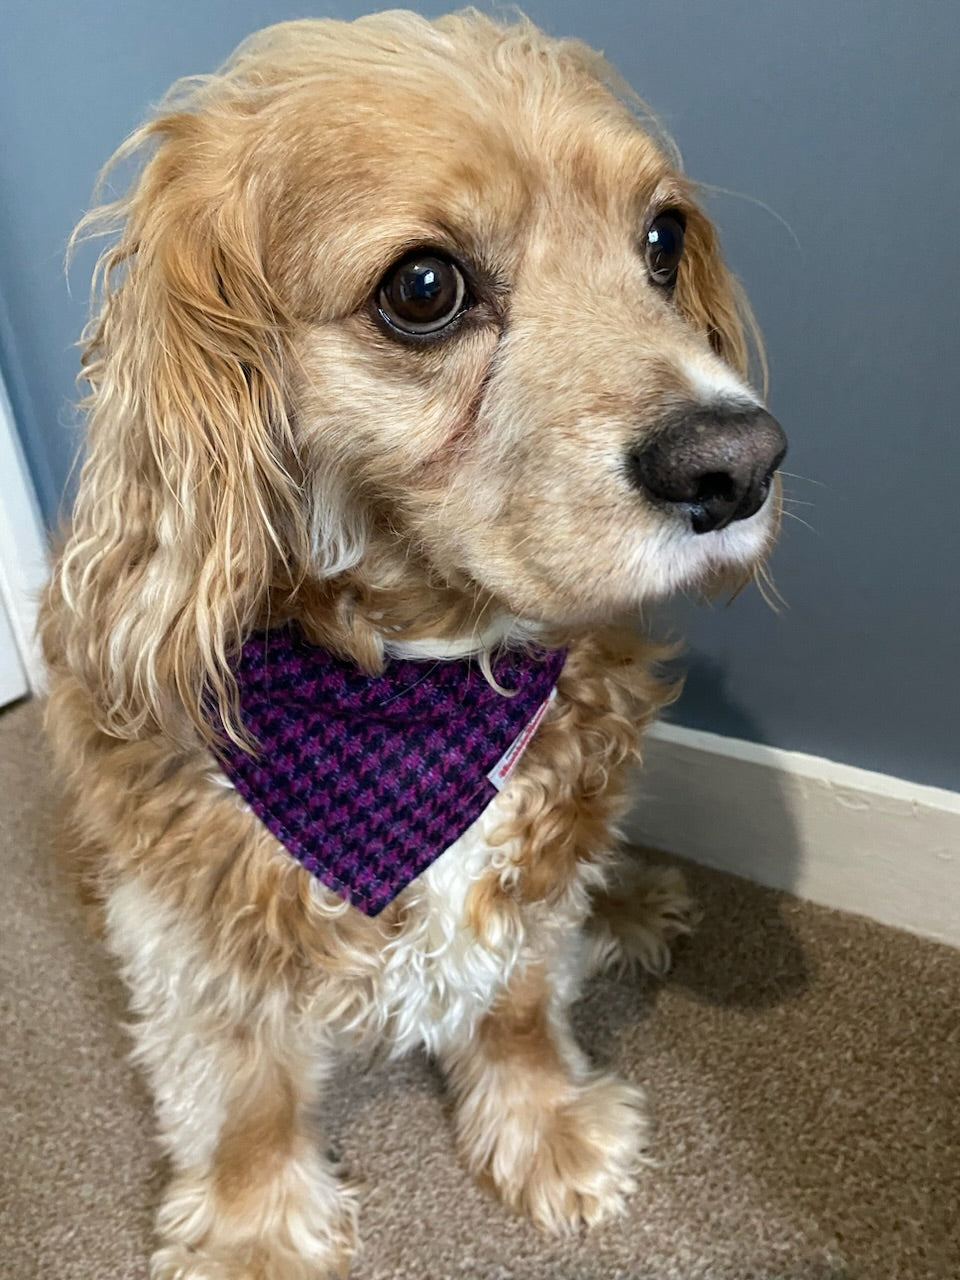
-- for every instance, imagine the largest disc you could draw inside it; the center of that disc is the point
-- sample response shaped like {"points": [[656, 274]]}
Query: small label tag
{"points": [[500, 773]]}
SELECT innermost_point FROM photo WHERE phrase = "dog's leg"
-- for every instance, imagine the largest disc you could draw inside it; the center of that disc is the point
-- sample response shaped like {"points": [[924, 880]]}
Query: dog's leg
{"points": [[267, 1205], [558, 1141], [235, 1086], [636, 918]]}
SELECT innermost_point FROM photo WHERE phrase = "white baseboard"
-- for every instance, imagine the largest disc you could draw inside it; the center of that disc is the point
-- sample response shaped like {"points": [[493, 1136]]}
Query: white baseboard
{"points": [[843, 837], [23, 549]]}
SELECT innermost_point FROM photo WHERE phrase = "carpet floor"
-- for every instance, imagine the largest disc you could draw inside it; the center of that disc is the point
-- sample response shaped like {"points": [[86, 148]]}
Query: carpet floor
{"points": [[805, 1068]]}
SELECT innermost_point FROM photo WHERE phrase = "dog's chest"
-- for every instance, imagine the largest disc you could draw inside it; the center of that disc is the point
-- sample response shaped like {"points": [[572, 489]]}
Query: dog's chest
{"points": [[437, 975]]}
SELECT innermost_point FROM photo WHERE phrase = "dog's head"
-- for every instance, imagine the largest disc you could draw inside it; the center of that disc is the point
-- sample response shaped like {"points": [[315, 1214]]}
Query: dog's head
{"points": [[415, 331]]}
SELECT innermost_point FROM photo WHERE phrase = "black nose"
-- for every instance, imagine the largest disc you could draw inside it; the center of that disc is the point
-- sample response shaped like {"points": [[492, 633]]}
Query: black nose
{"points": [[715, 465]]}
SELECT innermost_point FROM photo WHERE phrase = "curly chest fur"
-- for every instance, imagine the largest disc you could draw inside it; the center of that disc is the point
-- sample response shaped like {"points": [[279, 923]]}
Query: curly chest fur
{"points": [[443, 968]]}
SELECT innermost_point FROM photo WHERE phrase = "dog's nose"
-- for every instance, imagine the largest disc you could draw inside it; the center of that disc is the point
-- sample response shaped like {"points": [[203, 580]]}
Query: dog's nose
{"points": [[715, 465]]}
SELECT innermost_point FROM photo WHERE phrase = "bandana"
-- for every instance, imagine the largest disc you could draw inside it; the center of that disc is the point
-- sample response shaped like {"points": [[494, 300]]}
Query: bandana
{"points": [[366, 780]]}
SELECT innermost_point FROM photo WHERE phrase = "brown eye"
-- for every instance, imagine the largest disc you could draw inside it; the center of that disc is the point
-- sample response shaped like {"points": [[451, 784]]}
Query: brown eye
{"points": [[422, 294], [664, 247]]}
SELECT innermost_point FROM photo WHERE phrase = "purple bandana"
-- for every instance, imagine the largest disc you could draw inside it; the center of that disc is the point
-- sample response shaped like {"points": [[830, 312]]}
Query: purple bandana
{"points": [[367, 779]]}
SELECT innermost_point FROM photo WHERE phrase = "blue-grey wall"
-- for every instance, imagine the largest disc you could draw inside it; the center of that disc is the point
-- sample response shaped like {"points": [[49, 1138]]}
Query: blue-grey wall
{"points": [[844, 119]]}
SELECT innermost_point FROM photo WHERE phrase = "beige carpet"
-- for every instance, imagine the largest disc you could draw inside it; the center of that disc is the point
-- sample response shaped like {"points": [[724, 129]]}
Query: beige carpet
{"points": [[805, 1066]]}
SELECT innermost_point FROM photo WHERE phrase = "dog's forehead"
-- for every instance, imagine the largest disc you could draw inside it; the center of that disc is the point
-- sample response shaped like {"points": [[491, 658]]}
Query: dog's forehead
{"points": [[484, 166]]}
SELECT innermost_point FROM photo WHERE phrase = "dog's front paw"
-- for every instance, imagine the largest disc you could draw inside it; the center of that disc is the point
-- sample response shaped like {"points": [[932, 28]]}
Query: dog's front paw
{"points": [[573, 1164], [179, 1263], [297, 1229], [176, 1263]]}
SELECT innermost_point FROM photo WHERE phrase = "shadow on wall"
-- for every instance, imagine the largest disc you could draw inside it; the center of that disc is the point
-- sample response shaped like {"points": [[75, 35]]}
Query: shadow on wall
{"points": [[745, 952]]}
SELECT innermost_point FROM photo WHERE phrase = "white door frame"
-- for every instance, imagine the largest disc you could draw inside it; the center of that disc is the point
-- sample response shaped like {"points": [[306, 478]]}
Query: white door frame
{"points": [[24, 561]]}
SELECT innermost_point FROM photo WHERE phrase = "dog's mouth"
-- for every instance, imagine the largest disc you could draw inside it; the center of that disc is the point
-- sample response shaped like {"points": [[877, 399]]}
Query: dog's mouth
{"points": [[683, 558]]}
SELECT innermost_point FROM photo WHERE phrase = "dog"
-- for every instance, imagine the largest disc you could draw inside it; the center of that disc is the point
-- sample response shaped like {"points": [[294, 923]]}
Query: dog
{"points": [[415, 374]]}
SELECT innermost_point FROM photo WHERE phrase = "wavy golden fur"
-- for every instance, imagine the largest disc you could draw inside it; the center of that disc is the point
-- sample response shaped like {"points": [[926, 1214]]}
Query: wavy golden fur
{"points": [[260, 448]]}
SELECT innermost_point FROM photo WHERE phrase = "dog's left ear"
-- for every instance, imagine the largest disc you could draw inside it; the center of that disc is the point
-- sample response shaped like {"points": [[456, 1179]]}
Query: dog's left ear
{"points": [[712, 299]]}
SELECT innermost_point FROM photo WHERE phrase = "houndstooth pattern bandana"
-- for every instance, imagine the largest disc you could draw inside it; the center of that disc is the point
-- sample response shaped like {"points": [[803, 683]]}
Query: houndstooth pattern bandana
{"points": [[366, 780]]}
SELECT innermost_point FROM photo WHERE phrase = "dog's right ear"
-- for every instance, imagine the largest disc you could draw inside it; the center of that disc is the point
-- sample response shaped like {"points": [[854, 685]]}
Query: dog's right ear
{"points": [[712, 299], [190, 509]]}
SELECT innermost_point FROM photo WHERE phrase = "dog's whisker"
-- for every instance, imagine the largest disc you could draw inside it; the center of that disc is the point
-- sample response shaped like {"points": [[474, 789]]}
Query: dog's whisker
{"points": [[792, 515], [763, 577], [760, 204]]}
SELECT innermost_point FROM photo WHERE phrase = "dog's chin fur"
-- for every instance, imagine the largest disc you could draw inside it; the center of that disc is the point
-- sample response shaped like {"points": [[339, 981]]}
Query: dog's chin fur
{"points": [[261, 449]]}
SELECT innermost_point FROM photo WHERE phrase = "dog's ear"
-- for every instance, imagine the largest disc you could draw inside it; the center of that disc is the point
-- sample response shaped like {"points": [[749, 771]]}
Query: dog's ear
{"points": [[189, 508], [712, 299]]}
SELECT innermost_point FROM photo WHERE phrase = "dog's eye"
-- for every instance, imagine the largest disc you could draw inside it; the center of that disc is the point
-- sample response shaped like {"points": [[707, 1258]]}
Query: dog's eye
{"points": [[422, 294], [664, 247]]}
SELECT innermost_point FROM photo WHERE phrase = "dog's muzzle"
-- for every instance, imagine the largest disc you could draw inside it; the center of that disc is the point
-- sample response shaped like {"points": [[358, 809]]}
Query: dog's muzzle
{"points": [[712, 465]]}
